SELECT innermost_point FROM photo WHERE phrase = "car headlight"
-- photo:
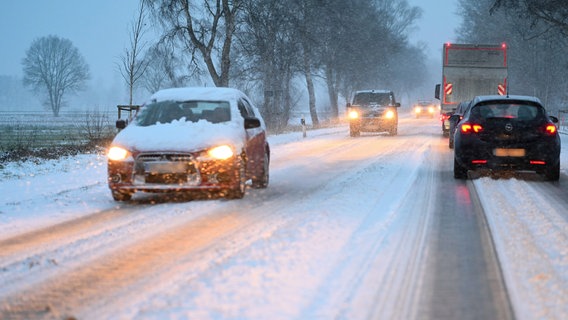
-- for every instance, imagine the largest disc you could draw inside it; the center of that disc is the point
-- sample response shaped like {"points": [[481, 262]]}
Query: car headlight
{"points": [[389, 114], [117, 153], [431, 109], [417, 110], [353, 114], [223, 152]]}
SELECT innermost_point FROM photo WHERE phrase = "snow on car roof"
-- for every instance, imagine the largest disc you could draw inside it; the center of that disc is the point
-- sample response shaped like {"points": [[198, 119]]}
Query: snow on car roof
{"points": [[197, 93], [376, 91]]}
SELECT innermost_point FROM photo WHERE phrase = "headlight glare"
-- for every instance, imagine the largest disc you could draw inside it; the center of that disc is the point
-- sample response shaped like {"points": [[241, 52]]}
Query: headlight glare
{"points": [[117, 153], [353, 114], [389, 114], [223, 152]]}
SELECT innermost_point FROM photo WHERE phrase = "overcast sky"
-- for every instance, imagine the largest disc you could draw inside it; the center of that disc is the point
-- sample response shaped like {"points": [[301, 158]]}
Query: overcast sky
{"points": [[99, 29]]}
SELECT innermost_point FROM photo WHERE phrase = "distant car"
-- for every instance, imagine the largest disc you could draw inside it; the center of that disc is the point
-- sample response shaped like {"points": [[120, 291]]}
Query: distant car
{"points": [[373, 111], [425, 108], [507, 132], [183, 139], [456, 117]]}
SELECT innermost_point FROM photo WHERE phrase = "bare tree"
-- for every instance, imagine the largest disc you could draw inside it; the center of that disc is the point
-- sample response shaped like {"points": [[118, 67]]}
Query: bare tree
{"points": [[53, 64], [551, 12], [198, 26], [133, 66]]}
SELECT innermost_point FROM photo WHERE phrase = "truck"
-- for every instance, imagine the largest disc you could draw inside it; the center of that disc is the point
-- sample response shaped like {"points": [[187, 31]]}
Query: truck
{"points": [[470, 70]]}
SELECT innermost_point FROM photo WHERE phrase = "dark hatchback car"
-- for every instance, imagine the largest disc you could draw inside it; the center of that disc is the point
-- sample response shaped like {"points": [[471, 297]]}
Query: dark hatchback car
{"points": [[373, 111], [507, 133], [456, 118], [190, 139]]}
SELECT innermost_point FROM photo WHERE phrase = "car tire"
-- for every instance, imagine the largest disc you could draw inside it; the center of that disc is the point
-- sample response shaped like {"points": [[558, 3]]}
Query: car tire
{"points": [[393, 131], [261, 182], [121, 195], [552, 173], [460, 172], [238, 191], [354, 132]]}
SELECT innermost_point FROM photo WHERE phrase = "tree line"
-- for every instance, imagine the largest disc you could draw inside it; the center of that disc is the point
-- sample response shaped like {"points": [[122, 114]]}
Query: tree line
{"points": [[275, 49]]}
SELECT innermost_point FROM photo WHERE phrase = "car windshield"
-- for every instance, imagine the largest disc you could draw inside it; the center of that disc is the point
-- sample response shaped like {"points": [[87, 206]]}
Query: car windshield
{"points": [[372, 98], [523, 112], [189, 111]]}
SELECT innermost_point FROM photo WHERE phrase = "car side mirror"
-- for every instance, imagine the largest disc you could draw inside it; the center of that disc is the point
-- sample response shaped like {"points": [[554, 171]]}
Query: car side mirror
{"points": [[437, 91], [348, 105], [120, 124], [251, 123], [554, 119], [397, 104]]}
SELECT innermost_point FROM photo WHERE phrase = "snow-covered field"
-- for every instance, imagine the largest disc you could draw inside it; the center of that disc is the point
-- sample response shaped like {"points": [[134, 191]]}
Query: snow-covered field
{"points": [[298, 250]]}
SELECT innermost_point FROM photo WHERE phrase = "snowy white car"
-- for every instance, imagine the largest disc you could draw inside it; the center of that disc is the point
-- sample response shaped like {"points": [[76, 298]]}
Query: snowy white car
{"points": [[184, 139]]}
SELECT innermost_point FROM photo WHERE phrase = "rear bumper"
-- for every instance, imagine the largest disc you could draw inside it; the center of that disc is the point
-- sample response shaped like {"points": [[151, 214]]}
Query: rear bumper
{"points": [[479, 154]]}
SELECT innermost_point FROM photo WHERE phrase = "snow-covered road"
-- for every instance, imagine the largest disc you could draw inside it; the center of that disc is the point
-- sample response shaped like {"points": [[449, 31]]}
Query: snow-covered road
{"points": [[349, 228]]}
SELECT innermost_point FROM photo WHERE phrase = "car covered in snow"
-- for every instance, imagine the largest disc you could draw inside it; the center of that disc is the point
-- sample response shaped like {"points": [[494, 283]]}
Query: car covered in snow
{"points": [[190, 139], [507, 132], [373, 111]]}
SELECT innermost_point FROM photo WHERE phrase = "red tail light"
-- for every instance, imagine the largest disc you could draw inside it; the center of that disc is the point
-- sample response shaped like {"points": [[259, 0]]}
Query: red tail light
{"points": [[537, 162], [471, 128], [550, 129]]}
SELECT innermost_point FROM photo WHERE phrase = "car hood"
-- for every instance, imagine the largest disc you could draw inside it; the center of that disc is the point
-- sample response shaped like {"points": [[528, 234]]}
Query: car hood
{"points": [[180, 136]]}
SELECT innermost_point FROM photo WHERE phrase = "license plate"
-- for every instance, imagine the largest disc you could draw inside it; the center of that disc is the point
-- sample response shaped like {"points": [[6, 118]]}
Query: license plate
{"points": [[165, 167], [501, 152]]}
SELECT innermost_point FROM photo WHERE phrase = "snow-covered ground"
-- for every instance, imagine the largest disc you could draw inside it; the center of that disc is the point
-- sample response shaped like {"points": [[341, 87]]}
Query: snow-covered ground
{"points": [[299, 249]]}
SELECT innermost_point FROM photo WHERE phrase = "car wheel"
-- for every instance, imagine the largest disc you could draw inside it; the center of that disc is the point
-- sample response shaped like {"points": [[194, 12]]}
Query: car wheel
{"points": [[459, 171], [261, 182], [354, 132], [238, 191], [393, 131], [552, 173], [121, 195]]}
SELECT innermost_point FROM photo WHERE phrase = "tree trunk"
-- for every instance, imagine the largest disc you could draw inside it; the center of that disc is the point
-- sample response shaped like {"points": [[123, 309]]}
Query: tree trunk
{"points": [[311, 91]]}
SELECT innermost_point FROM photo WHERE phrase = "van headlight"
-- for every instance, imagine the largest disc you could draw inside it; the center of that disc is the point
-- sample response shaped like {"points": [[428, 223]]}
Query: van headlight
{"points": [[389, 114], [353, 114]]}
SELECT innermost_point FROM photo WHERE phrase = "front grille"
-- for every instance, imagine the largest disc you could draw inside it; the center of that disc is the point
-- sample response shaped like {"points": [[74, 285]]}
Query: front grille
{"points": [[165, 157]]}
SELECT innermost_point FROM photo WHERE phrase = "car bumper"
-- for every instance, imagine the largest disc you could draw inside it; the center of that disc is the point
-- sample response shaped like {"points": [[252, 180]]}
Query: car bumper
{"points": [[211, 175], [373, 124], [474, 154]]}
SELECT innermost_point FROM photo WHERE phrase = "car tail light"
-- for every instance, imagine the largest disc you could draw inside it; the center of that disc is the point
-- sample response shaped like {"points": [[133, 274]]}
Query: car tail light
{"points": [[471, 128], [550, 129], [537, 162], [479, 161]]}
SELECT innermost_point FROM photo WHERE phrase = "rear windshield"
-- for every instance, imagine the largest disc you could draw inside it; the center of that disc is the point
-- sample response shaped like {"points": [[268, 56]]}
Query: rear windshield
{"points": [[372, 98], [523, 112], [189, 111]]}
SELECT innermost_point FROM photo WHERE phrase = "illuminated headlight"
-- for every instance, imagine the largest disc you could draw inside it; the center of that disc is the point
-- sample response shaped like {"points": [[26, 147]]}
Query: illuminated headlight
{"points": [[353, 114], [389, 114], [417, 110], [117, 154], [431, 109], [223, 152]]}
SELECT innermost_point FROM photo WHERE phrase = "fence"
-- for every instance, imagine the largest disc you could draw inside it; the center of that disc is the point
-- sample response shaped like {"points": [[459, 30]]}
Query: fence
{"points": [[28, 130]]}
